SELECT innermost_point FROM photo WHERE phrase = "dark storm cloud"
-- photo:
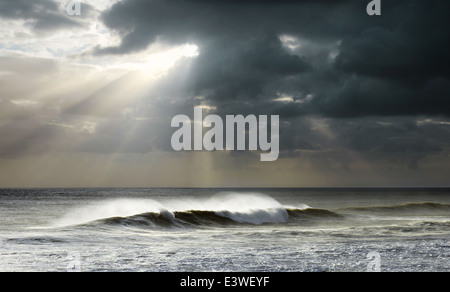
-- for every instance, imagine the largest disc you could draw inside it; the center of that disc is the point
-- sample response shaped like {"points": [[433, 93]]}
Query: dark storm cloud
{"points": [[395, 64], [399, 69], [244, 70], [359, 96], [42, 15], [411, 48], [178, 21]]}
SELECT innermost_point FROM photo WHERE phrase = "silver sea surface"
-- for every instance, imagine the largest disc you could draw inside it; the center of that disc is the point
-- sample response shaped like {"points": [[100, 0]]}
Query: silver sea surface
{"points": [[250, 230]]}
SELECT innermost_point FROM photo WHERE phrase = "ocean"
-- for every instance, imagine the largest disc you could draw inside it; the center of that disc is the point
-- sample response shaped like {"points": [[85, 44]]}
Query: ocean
{"points": [[225, 230]]}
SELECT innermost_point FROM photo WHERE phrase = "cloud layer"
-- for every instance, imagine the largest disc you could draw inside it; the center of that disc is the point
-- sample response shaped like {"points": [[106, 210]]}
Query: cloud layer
{"points": [[358, 96]]}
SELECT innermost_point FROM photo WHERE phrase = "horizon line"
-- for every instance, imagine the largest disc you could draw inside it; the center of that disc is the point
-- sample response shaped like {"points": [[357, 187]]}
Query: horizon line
{"points": [[231, 188]]}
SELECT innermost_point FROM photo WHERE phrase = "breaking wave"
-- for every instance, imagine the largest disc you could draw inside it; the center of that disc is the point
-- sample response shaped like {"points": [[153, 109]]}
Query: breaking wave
{"points": [[220, 210], [226, 209]]}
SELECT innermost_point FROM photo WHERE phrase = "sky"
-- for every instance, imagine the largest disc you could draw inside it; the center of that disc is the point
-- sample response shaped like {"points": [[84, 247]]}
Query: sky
{"points": [[87, 100]]}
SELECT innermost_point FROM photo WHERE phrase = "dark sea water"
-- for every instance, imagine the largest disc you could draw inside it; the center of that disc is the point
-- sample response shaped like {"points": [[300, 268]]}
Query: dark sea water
{"points": [[196, 230]]}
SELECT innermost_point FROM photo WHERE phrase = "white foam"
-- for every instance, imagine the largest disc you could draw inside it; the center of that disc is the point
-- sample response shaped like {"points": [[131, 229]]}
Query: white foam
{"points": [[254, 208]]}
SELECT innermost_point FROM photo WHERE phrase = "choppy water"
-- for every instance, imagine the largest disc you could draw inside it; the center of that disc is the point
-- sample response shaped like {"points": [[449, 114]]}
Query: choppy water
{"points": [[192, 230]]}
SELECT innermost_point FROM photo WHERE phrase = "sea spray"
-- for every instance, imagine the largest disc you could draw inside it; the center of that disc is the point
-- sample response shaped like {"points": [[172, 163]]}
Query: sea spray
{"points": [[252, 208]]}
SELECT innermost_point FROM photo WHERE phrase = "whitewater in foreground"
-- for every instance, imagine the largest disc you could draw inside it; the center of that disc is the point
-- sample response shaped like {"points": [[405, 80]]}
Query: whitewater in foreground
{"points": [[194, 230]]}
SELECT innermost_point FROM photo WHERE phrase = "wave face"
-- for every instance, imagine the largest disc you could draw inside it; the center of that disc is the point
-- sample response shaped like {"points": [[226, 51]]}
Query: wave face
{"points": [[223, 218]]}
